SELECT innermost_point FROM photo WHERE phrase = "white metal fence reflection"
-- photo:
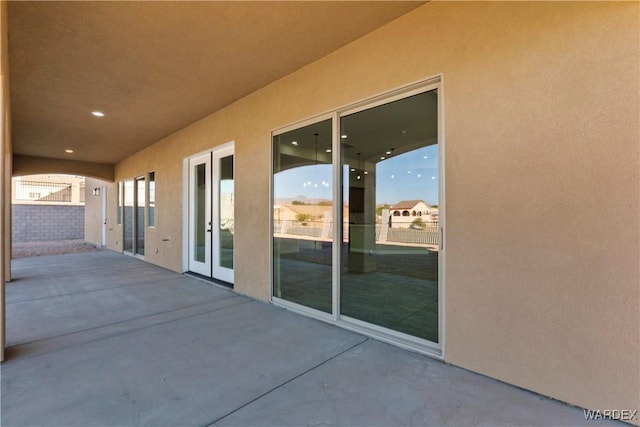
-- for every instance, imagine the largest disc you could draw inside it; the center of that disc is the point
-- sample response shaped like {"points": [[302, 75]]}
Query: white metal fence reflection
{"points": [[427, 235]]}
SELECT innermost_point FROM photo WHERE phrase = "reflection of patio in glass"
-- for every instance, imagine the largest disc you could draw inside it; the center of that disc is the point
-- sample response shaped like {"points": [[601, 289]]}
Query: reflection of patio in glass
{"points": [[226, 249], [401, 294]]}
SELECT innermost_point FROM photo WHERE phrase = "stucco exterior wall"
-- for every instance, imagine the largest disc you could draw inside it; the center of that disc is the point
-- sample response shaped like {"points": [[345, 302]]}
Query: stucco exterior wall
{"points": [[541, 135]]}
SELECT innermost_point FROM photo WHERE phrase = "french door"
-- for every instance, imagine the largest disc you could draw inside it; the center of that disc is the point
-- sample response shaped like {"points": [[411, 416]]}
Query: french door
{"points": [[211, 214]]}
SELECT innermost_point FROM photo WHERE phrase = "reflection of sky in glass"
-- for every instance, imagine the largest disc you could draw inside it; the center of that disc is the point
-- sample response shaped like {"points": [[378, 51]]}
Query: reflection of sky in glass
{"points": [[408, 176], [226, 186], [311, 182]]}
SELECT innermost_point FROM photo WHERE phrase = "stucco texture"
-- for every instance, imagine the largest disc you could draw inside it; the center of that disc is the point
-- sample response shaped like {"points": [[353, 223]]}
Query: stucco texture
{"points": [[542, 182]]}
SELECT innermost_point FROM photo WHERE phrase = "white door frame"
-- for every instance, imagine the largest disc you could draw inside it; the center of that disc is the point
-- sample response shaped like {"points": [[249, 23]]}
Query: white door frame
{"points": [[211, 267], [103, 194], [200, 267], [218, 271]]}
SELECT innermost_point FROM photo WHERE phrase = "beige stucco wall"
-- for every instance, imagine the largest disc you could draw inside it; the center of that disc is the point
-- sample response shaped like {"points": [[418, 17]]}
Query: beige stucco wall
{"points": [[541, 128]]}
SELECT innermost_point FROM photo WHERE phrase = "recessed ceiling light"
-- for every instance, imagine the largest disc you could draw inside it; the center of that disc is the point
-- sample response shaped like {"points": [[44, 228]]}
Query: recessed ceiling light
{"points": [[294, 142], [343, 136], [382, 157], [68, 151], [97, 113], [328, 150]]}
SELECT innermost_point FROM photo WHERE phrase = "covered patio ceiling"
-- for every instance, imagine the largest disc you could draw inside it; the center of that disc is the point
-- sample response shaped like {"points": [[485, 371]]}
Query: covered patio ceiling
{"points": [[153, 68]]}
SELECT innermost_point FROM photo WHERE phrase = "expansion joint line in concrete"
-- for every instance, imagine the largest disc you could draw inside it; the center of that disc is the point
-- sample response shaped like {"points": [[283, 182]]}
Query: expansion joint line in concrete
{"points": [[213, 423]]}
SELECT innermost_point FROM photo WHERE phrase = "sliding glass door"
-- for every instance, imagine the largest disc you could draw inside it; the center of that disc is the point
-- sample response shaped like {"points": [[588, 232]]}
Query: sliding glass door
{"points": [[357, 235], [389, 271], [303, 216]]}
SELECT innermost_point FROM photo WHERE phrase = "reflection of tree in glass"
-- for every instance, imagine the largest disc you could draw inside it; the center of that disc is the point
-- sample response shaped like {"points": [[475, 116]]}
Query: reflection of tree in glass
{"points": [[302, 217], [379, 208], [418, 224]]}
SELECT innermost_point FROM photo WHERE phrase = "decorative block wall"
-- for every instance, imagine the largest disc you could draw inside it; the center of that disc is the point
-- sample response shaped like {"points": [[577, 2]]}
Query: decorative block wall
{"points": [[34, 223]]}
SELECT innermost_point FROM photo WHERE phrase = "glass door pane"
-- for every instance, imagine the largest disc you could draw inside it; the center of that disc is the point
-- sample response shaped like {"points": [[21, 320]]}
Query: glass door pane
{"points": [[225, 212], [127, 219], [152, 200], [223, 209], [303, 216], [140, 209], [200, 214], [389, 265]]}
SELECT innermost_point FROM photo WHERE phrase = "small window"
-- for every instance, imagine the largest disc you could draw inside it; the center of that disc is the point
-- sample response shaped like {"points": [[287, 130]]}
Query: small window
{"points": [[413, 213], [152, 199], [406, 213], [396, 213]]}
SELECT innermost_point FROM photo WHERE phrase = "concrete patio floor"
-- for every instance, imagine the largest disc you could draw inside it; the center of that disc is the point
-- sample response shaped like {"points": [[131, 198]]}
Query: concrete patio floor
{"points": [[97, 339]]}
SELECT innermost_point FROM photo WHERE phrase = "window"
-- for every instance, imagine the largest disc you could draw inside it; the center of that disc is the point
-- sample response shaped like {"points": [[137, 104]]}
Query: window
{"points": [[151, 207]]}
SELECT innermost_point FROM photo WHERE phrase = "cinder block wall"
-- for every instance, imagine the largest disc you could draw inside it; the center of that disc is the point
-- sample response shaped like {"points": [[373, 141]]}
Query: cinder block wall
{"points": [[34, 223]]}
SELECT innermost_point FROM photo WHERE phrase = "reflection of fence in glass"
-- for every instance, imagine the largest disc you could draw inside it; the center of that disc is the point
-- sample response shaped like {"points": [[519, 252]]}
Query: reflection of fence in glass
{"points": [[38, 191], [427, 235]]}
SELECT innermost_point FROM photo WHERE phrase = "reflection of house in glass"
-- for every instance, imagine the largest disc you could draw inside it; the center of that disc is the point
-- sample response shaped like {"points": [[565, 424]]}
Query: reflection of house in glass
{"points": [[411, 214]]}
